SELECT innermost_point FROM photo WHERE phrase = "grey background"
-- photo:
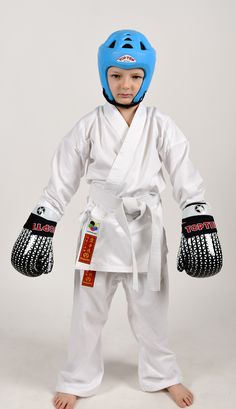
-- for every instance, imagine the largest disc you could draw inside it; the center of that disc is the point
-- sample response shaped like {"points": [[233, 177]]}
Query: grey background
{"points": [[48, 80]]}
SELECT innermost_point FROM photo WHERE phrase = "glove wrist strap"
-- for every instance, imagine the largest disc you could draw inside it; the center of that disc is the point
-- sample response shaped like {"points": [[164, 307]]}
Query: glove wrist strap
{"points": [[196, 225], [40, 226]]}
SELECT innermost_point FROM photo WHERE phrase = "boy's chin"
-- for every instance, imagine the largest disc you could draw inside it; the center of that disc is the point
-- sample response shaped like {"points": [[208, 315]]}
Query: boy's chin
{"points": [[124, 101]]}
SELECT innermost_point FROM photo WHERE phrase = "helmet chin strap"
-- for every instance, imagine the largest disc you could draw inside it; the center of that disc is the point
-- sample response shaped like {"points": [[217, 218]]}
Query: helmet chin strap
{"points": [[117, 104]]}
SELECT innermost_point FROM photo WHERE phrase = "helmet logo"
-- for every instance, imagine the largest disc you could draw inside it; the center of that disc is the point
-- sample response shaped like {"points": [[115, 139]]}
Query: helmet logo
{"points": [[126, 58]]}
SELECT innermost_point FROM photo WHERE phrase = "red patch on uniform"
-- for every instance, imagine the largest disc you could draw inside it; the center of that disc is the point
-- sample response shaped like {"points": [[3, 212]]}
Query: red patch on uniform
{"points": [[87, 248], [88, 278]]}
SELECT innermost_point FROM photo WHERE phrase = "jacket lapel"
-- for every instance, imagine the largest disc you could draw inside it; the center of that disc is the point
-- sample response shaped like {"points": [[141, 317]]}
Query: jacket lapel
{"points": [[131, 139]]}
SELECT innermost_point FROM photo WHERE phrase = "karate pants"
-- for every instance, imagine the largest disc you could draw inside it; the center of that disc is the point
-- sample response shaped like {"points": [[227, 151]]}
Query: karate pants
{"points": [[147, 314]]}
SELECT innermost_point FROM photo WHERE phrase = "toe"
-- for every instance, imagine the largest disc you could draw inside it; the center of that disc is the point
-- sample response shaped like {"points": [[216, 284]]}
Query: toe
{"points": [[187, 401], [190, 397], [180, 403], [56, 399], [61, 405]]}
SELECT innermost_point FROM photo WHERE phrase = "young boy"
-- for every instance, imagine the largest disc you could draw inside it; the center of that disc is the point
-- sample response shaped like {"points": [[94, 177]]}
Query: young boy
{"points": [[122, 238]]}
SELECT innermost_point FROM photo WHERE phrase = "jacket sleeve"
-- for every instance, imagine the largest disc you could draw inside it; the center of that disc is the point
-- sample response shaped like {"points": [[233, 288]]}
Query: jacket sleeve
{"points": [[185, 179], [67, 169]]}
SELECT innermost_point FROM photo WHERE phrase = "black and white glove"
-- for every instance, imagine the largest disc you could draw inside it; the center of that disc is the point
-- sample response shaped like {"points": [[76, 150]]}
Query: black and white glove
{"points": [[200, 253], [32, 253]]}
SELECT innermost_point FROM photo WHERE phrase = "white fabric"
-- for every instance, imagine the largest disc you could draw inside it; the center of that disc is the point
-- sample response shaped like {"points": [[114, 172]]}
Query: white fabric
{"points": [[102, 202], [147, 314], [196, 210], [126, 162]]}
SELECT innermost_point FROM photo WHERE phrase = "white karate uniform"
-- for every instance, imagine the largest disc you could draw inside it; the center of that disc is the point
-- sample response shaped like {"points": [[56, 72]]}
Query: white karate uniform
{"points": [[147, 314], [123, 166]]}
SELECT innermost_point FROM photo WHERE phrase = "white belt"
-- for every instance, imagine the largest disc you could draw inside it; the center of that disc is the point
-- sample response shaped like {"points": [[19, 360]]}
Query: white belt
{"points": [[123, 207]]}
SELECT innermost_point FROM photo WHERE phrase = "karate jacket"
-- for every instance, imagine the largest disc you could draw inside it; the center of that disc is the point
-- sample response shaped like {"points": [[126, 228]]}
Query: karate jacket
{"points": [[123, 165]]}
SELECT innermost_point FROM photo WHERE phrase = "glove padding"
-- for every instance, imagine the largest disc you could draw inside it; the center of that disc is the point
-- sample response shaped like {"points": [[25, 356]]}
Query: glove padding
{"points": [[32, 253], [200, 253]]}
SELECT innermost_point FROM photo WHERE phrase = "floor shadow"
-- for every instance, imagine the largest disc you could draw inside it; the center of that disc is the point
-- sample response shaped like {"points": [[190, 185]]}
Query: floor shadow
{"points": [[30, 361], [33, 361], [116, 372]]}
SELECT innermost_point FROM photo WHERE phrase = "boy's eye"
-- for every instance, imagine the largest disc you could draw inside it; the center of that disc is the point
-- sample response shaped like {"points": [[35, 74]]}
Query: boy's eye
{"points": [[133, 76]]}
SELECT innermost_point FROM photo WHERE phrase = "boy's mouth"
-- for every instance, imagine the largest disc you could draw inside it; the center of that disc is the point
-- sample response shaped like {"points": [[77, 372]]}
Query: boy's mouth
{"points": [[125, 95]]}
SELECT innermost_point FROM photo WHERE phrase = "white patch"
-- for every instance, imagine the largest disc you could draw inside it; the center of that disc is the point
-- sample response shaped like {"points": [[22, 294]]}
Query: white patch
{"points": [[210, 244], [50, 259], [126, 58], [30, 244]]}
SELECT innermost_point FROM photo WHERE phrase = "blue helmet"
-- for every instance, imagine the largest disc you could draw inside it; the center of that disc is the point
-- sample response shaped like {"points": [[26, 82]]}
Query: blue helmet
{"points": [[126, 49]]}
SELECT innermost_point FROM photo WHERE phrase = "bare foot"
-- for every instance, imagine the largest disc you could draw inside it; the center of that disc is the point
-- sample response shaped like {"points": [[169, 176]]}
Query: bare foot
{"points": [[181, 395], [64, 400]]}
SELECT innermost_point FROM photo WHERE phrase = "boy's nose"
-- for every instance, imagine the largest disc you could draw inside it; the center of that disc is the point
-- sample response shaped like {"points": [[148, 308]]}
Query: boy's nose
{"points": [[125, 83]]}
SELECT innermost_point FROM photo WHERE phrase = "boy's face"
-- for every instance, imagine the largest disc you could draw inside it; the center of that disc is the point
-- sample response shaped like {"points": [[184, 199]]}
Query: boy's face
{"points": [[124, 84]]}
